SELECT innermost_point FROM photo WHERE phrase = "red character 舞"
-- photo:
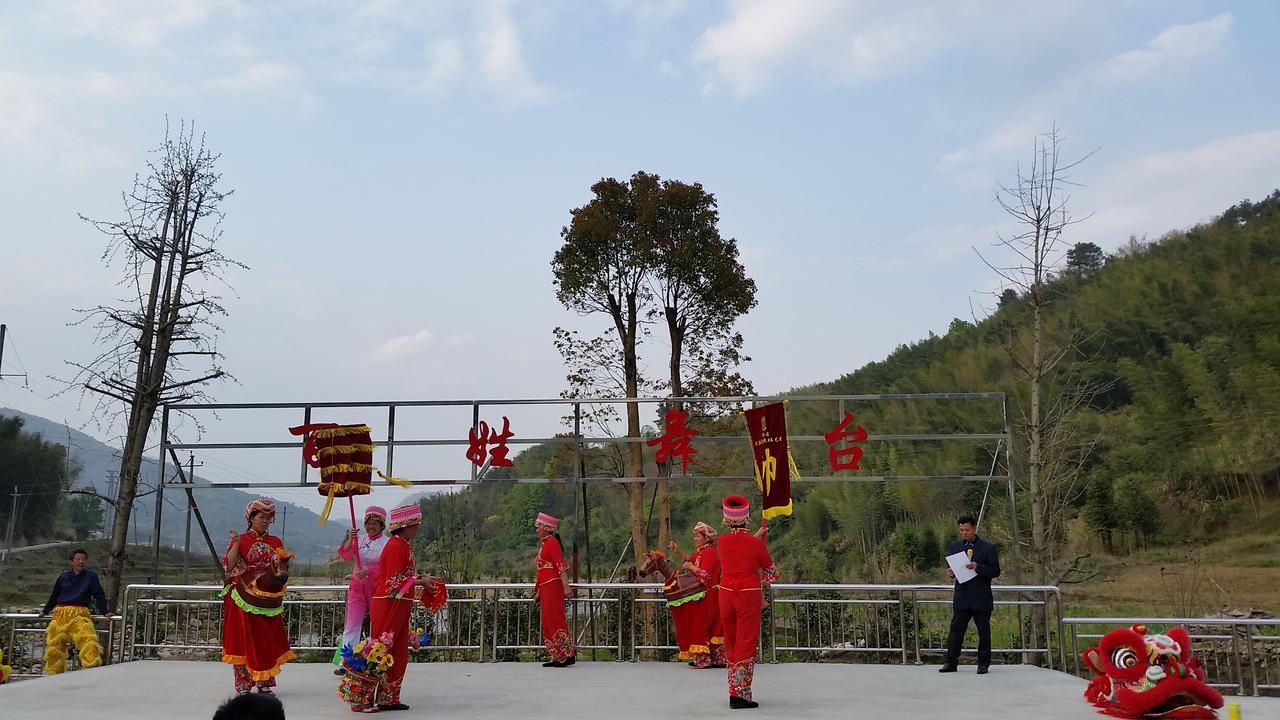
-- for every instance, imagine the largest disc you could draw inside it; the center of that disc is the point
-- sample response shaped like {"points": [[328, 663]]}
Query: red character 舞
{"points": [[675, 440]]}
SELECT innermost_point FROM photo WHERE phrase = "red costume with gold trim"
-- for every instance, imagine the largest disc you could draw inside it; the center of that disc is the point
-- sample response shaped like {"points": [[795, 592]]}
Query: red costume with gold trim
{"points": [[745, 564], [550, 592], [254, 640], [706, 562], [391, 609]]}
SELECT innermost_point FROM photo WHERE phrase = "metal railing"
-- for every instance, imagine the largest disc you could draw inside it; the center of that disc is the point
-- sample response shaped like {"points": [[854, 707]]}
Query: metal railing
{"points": [[22, 636], [618, 621], [494, 622], [1240, 655]]}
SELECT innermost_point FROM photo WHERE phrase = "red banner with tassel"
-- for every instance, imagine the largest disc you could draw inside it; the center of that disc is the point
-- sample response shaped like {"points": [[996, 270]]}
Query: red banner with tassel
{"points": [[774, 465]]}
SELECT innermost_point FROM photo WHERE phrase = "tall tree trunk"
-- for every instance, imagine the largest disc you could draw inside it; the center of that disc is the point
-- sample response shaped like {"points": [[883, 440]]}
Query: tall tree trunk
{"points": [[635, 454], [1039, 541], [676, 331]]}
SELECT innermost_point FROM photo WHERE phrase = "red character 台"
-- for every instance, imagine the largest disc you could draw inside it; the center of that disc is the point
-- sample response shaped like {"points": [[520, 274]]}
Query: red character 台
{"points": [[845, 458]]}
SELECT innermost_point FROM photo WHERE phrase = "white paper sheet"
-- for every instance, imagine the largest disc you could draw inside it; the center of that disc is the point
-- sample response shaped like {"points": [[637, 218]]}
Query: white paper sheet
{"points": [[957, 563]]}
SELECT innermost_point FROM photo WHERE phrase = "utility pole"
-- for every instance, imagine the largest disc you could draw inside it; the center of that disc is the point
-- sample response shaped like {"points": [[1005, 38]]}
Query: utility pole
{"points": [[3, 375], [285, 522], [186, 547], [13, 514], [111, 493]]}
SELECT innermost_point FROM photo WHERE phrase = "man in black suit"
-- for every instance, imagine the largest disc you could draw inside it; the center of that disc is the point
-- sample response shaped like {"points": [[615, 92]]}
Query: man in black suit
{"points": [[972, 599]]}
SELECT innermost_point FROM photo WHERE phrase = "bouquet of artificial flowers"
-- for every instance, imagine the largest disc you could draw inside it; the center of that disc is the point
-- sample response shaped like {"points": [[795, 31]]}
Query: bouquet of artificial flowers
{"points": [[366, 665]]}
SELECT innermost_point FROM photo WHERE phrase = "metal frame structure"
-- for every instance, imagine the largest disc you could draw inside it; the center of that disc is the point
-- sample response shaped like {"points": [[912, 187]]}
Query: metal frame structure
{"points": [[580, 442]]}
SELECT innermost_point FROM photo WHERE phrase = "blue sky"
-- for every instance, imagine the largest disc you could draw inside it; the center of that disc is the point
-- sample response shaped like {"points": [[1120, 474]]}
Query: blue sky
{"points": [[402, 169]]}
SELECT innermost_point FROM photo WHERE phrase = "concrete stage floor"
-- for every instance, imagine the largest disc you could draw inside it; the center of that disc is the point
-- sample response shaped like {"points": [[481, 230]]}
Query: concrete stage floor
{"points": [[172, 690]]}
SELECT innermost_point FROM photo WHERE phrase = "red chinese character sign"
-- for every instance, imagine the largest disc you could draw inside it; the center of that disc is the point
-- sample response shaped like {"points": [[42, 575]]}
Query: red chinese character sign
{"points": [[478, 444], [676, 439], [847, 457], [774, 465]]}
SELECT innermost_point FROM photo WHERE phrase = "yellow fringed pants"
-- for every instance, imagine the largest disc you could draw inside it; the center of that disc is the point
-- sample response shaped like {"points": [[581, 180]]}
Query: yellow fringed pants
{"points": [[70, 623]]}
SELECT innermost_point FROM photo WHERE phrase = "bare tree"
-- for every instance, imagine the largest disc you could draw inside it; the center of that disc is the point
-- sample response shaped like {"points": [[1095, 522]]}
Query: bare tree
{"points": [[158, 341], [1039, 203]]}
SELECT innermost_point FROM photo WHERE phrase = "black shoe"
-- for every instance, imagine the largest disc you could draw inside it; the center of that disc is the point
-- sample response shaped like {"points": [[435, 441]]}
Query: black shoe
{"points": [[947, 668], [738, 703], [340, 671], [553, 663], [982, 670], [394, 706], [571, 660], [692, 664]]}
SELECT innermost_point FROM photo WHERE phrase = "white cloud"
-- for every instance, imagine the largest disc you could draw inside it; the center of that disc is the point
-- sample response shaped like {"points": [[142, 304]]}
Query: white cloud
{"points": [[847, 41], [259, 76], [979, 163], [1178, 44], [139, 23], [744, 52], [1173, 189], [501, 52], [1147, 195], [446, 63], [40, 118], [404, 347], [650, 12]]}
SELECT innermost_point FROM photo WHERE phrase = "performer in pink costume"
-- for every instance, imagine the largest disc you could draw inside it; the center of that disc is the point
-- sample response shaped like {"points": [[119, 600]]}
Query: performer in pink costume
{"points": [[363, 577]]}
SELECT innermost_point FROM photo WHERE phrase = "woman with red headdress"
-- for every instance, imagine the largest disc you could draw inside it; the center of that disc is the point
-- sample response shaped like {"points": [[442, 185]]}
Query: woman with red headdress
{"points": [[254, 641], [705, 563], [551, 588], [745, 570], [394, 595]]}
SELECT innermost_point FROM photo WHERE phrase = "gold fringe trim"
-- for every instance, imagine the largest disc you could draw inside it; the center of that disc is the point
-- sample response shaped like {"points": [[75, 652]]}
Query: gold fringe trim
{"points": [[340, 431], [259, 675], [402, 482], [328, 505], [346, 468], [699, 649], [717, 640], [343, 450]]}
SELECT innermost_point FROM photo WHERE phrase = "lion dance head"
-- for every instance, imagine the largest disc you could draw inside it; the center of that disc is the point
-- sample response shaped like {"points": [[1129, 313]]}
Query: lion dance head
{"points": [[1141, 675]]}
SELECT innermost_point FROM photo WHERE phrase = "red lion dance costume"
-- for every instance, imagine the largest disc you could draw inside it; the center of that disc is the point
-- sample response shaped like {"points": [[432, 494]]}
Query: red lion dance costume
{"points": [[1141, 675]]}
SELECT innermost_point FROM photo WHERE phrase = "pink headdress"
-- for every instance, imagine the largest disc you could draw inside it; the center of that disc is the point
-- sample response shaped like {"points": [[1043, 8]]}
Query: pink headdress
{"points": [[547, 521], [404, 516], [375, 511], [705, 529], [737, 510], [263, 506]]}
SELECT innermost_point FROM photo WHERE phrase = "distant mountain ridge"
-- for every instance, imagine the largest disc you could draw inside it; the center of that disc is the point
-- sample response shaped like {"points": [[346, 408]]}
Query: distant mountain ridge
{"points": [[221, 508]]}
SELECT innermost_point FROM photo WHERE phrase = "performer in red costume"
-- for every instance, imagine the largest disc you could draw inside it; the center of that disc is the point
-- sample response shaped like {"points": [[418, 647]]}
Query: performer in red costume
{"points": [[393, 599], [254, 641], [705, 563], [746, 569], [552, 587]]}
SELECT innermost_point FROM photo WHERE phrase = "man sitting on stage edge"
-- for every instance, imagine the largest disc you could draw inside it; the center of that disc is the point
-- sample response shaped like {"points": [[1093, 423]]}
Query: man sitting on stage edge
{"points": [[972, 599], [71, 620]]}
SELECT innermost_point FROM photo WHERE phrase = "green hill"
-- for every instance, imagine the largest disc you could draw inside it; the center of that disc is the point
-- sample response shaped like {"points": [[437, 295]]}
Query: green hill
{"points": [[222, 508]]}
